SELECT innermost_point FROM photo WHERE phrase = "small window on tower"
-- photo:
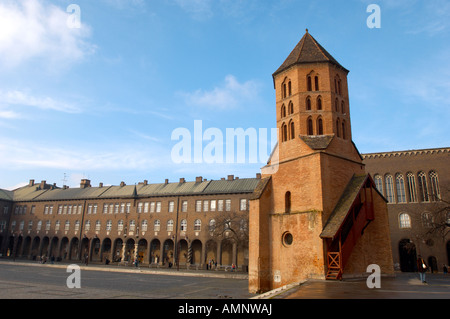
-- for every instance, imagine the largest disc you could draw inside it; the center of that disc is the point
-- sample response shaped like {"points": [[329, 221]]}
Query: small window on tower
{"points": [[308, 103], [319, 103], [310, 126], [289, 88], [309, 83], [316, 82], [319, 127]]}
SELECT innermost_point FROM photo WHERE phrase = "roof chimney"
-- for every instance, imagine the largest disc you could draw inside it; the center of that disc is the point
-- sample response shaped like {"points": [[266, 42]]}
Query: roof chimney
{"points": [[122, 184], [198, 179], [258, 175], [166, 181], [182, 180], [230, 177], [100, 185], [145, 182], [31, 183], [85, 183]]}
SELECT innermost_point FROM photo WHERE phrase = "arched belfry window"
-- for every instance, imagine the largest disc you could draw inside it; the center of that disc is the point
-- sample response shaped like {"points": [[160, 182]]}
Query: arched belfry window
{"points": [[435, 192], [283, 132], [309, 125], [343, 130], [316, 83], [423, 186], [291, 130], [289, 88], [309, 83], [308, 103], [342, 107], [291, 108], [319, 126], [287, 202], [319, 103], [337, 128], [283, 111], [336, 105]]}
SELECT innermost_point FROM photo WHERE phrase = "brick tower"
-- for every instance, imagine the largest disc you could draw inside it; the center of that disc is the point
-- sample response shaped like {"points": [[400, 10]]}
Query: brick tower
{"points": [[314, 202]]}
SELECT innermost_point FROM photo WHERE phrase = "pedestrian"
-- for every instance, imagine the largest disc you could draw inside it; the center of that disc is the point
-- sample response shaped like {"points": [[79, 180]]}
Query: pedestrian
{"points": [[445, 269], [86, 259], [422, 268]]}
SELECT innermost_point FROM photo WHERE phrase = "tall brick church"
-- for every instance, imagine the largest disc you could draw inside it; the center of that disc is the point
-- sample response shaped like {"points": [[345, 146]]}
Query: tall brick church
{"points": [[315, 212]]}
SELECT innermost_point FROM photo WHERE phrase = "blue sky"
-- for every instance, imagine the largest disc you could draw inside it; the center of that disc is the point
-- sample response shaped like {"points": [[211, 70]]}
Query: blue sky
{"points": [[101, 101]]}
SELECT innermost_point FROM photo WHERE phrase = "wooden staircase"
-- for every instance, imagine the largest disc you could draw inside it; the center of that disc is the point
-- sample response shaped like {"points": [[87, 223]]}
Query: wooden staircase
{"points": [[340, 247]]}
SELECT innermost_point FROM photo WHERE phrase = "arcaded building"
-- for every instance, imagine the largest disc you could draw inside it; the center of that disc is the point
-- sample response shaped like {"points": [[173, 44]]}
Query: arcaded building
{"points": [[416, 185], [182, 223]]}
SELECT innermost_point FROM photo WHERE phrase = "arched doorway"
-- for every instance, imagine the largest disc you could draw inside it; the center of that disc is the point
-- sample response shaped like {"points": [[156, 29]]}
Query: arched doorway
{"points": [[84, 248], [26, 246], [95, 250], [35, 247], [64, 248], [211, 251], [129, 250], [196, 248], [155, 252], [106, 249], [182, 252], [44, 246], [168, 252], [53, 250], [408, 255], [117, 250], [142, 251], [73, 249], [227, 252], [432, 263]]}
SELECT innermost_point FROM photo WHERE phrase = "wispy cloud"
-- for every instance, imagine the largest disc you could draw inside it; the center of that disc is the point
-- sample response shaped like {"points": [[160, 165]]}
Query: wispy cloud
{"points": [[21, 98], [35, 29], [230, 94]]}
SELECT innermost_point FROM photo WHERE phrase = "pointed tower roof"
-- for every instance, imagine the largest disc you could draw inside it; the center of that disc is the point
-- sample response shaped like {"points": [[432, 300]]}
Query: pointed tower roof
{"points": [[308, 50]]}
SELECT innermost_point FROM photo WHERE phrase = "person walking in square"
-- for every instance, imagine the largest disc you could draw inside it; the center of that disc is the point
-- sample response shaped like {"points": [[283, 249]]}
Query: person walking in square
{"points": [[422, 268]]}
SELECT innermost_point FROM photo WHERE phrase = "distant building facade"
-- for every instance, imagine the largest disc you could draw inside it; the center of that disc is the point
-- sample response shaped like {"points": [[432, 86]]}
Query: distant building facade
{"points": [[416, 185], [184, 223]]}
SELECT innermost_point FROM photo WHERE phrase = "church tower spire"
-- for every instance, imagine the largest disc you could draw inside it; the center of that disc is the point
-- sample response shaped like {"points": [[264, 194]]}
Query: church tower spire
{"points": [[312, 99]]}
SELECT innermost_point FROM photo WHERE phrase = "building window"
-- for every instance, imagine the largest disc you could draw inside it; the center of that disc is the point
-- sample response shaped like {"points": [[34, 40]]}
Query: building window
{"points": [[144, 225], [184, 206], [87, 225], [228, 205], [389, 188], [140, 206], [423, 187], [292, 129], [48, 224], [132, 225], [212, 225], [404, 220], [309, 83], [183, 225], [342, 107], [197, 225], [120, 225], [343, 130], [213, 205], [128, 208], [171, 206], [283, 111], [146, 207], [411, 187], [67, 225], [116, 208], [170, 225], [316, 82], [98, 225], [289, 88], [308, 103], [378, 183], [336, 105], [309, 124], [243, 204], [157, 225], [319, 103], [109, 225], [198, 206], [287, 202], [158, 207], [77, 225], [400, 186], [283, 132], [30, 225], [319, 126], [206, 205], [435, 192], [427, 220], [291, 108], [220, 205], [337, 128]]}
